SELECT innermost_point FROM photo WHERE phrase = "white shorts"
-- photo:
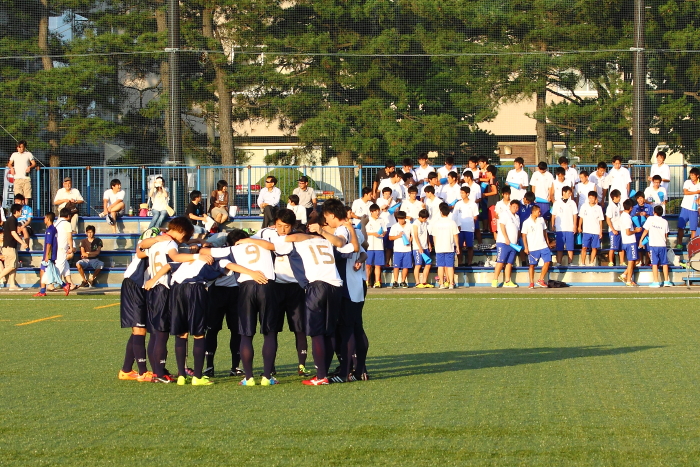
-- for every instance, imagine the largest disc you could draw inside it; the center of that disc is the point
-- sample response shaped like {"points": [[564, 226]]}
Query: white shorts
{"points": [[62, 265]]}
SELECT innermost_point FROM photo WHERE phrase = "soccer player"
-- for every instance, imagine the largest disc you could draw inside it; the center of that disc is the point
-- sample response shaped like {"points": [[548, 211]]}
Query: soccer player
{"points": [[507, 235], [564, 214], [412, 206], [517, 179], [421, 246], [113, 203], [535, 246], [629, 242], [401, 234], [590, 224], [466, 215], [656, 228], [50, 251], [543, 187], [446, 237], [689, 207], [90, 249], [376, 231], [612, 217]]}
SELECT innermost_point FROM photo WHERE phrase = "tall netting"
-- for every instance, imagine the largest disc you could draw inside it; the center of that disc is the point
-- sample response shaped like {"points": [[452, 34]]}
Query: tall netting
{"points": [[332, 89]]}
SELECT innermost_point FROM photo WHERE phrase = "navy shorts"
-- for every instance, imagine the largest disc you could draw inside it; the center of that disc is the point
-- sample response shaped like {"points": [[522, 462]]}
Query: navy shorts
{"points": [[658, 255], [403, 260], [565, 241], [466, 239], [257, 302], [189, 305], [544, 211], [689, 218], [615, 241], [158, 308], [375, 258], [223, 303], [631, 252], [445, 260], [350, 313], [590, 241], [534, 256], [291, 301], [322, 308], [132, 307], [505, 253]]}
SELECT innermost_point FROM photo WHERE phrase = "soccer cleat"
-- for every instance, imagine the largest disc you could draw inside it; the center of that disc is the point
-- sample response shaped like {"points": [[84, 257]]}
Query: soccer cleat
{"points": [[209, 372], [130, 376], [494, 284], [668, 284], [236, 372], [654, 285], [542, 283], [268, 382], [147, 377], [336, 379], [364, 377], [181, 380], [428, 286], [420, 286], [316, 382], [404, 285], [247, 382], [66, 289], [203, 381], [510, 285], [167, 379], [532, 285], [85, 284], [351, 378], [395, 285], [189, 371], [39, 294], [622, 277], [377, 285], [303, 371]]}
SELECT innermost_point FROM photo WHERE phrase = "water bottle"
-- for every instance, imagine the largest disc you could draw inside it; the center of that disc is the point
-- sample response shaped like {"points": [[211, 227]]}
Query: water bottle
{"points": [[131, 211], [437, 282]]}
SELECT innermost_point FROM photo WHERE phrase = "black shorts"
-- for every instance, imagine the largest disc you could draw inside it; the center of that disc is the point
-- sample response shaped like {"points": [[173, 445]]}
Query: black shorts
{"points": [[223, 302], [257, 301], [291, 300], [132, 306], [189, 303], [322, 308], [158, 308], [350, 313]]}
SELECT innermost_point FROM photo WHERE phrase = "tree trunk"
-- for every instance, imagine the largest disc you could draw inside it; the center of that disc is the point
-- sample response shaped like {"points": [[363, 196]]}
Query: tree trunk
{"points": [[348, 185], [51, 104], [162, 27], [541, 125]]}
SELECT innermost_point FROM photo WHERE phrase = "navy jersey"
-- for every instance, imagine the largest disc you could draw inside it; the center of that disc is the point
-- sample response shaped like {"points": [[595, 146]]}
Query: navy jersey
{"points": [[51, 239], [136, 271], [524, 212], [198, 271], [646, 208]]}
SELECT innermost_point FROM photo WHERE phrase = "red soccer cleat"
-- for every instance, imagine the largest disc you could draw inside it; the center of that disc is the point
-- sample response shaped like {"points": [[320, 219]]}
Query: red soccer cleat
{"points": [[66, 289], [39, 294], [316, 382]]}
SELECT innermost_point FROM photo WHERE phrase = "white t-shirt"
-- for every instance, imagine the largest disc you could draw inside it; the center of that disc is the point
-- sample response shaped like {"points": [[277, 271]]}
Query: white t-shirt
{"points": [[158, 258], [443, 231], [398, 229], [600, 183], [564, 212], [690, 201], [654, 197], [443, 171], [658, 229], [626, 223], [582, 190], [512, 225], [316, 256], [412, 209], [113, 197], [299, 212], [521, 179], [397, 189], [420, 233], [474, 191], [63, 230], [542, 182], [21, 163], [558, 187], [388, 219], [374, 226], [591, 215], [502, 208], [250, 256], [422, 174], [62, 193], [535, 231], [360, 208], [664, 171], [618, 179], [571, 176], [283, 270], [613, 212], [464, 214], [451, 193], [433, 207]]}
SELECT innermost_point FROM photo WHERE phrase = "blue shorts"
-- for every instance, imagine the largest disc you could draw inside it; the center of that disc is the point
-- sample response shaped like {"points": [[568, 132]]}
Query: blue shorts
{"points": [[375, 258], [544, 211], [445, 260], [631, 251], [565, 241], [615, 241], [658, 255], [505, 253], [688, 217], [638, 237], [418, 258], [590, 241], [535, 256], [466, 238], [403, 260]]}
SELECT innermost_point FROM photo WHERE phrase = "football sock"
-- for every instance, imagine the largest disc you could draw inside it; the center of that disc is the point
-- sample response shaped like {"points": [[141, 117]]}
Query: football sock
{"points": [[42, 290], [347, 349], [329, 354], [269, 353], [129, 355], [139, 346], [150, 352], [181, 355], [160, 352], [235, 346], [318, 348], [198, 353], [211, 344], [247, 354], [302, 347], [361, 348]]}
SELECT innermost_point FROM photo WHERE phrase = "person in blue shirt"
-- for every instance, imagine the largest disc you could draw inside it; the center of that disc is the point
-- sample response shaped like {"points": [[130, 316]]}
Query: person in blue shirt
{"points": [[50, 250], [640, 213], [24, 221]]}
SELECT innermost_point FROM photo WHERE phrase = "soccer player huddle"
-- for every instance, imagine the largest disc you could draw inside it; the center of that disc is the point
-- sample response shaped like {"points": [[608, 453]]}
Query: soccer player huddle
{"points": [[181, 287]]}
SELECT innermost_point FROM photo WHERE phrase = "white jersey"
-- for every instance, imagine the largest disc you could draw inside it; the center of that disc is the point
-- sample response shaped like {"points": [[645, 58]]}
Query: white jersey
{"points": [[399, 244], [512, 224], [464, 214], [397, 189], [591, 216], [664, 171], [443, 231], [564, 212], [582, 190], [502, 208], [136, 271], [250, 256], [571, 176], [63, 231], [444, 171], [690, 202], [375, 226], [420, 233], [558, 186], [433, 208], [299, 213], [312, 260], [656, 198], [519, 178], [618, 179], [412, 209], [388, 218], [422, 174], [199, 272], [542, 182], [626, 223], [451, 193], [600, 183], [535, 232], [113, 197], [613, 212], [283, 270], [360, 208], [158, 258], [658, 230], [474, 191]]}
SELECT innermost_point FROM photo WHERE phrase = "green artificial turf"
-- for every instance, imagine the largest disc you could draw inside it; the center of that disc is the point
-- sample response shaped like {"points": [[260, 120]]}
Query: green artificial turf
{"points": [[458, 380]]}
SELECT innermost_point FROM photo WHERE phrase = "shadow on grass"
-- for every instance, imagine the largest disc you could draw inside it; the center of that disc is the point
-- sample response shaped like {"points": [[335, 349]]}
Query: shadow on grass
{"points": [[391, 366]]}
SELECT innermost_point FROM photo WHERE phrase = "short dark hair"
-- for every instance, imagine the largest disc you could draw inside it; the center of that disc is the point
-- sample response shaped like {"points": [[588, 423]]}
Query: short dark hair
{"points": [[465, 189], [114, 181], [412, 189], [374, 207], [20, 196], [22, 143], [183, 225], [432, 175], [615, 194], [602, 165], [584, 172], [593, 193], [695, 171], [294, 199], [628, 204], [536, 206], [15, 208], [505, 189], [423, 213], [566, 189], [335, 207], [492, 170], [195, 194], [50, 216], [473, 159], [65, 212], [235, 235], [638, 195], [659, 210], [387, 189], [449, 160], [90, 228], [656, 177], [529, 196], [444, 209], [662, 154], [515, 201], [407, 176], [389, 164], [616, 158], [407, 161], [468, 173], [453, 174], [559, 171], [519, 160], [423, 155], [483, 159], [286, 216], [272, 178], [542, 165], [429, 189], [221, 184], [366, 191], [400, 215], [563, 159]]}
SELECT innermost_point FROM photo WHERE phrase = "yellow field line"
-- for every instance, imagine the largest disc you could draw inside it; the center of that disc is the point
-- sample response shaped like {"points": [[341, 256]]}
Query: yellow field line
{"points": [[106, 306], [37, 320]]}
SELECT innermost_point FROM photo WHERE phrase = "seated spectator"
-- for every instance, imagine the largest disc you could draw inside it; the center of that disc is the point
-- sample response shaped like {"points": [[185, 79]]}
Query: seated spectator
{"points": [[299, 212], [90, 249], [160, 199], [24, 221], [69, 197], [195, 212], [218, 202], [269, 200], [113, 200]]}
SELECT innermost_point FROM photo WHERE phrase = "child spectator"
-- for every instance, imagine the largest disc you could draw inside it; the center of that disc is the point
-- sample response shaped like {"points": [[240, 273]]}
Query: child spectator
{"points": [[466, 214], [517, 179], [656, 194], [640, 213], [689, 207], [582, 189], [618, 179], [401, 234], [542, 183], [446, 237], [24, 221], [564, 214], [376, 231], [360, 207], [508, 228], [535, 246], [571, 174], [412, 206], [629, 242], [385, 203], [560, 182], [195, 212], [421, 246], [599, 177], [656, 228], [299, 212], [590, 224], [90, 249], [612, 217]]}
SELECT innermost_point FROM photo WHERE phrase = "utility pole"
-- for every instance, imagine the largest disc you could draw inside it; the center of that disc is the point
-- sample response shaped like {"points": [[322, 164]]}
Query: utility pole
{"points": [[639, 127], [174, 112]]}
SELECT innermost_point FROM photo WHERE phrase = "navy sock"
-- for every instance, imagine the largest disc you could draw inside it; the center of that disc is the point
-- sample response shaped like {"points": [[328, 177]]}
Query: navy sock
{"points": [[269, 353], [160, 352], [129, 355], [318, 348], [235, 346], [198, 353], [211, 339], [139, 345], [150, 352], [347, 349], [42, 290], [247, 354], [329, 352], [302, 347], [361, 349], [181, 355]]}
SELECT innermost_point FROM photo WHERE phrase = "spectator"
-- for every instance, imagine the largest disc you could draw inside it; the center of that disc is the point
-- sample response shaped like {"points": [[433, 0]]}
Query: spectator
{"points": [[299, 212], [269, 200], [307, 196], [662, 169], [218, 202], [10, 241], [24, 221], [195, 212], [113, 200], [21, 164], [389, 168], [90, 249], [65, 249], [160, 199], [69, 197]]}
